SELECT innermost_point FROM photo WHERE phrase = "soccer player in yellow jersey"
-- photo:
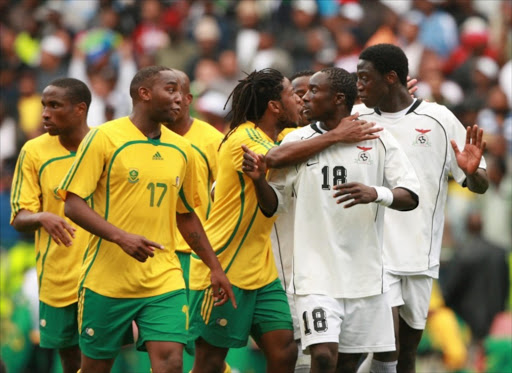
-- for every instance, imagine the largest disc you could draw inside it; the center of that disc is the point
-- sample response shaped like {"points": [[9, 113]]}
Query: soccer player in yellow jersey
{"points": [[263, 104], [205, 140], [143, 180], [36, 206]]}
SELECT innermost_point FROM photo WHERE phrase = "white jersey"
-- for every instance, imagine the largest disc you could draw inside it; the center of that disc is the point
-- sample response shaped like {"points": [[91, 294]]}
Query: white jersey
{"points": [[412, 239], [337, 251]]}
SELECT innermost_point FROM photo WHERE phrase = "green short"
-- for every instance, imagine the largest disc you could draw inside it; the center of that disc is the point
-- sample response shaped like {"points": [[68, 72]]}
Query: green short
{"points": [[185, 267], [105, 323], [58, 326], [259, 311]]}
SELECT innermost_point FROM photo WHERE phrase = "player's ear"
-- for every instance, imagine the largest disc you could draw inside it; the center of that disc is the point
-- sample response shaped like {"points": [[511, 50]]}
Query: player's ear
{"points": [[144, 93], [81, 108], [274, 106], [391, 77], [339, 99]]}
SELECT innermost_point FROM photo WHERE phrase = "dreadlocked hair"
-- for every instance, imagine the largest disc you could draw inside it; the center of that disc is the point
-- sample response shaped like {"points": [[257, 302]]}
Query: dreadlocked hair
{"points": [[251, 96]]}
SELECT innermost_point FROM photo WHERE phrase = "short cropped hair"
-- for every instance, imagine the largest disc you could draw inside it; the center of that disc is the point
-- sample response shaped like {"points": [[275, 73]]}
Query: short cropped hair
{"points": [[76, 90], [145, 75], [341, 81], [386, 58]]}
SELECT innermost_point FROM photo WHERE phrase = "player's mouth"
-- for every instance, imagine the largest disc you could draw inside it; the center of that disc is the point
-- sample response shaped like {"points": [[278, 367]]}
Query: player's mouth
{"points": [[47, 126]]}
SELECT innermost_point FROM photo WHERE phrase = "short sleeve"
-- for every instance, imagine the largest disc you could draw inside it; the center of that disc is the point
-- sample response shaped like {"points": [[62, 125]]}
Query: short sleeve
{"points": [[253, 141], [25, 191], [282, 180], [83, 176], [189, 197]]}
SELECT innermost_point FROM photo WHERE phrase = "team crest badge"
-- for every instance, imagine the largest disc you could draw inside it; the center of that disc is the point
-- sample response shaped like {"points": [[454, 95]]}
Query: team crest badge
{"points": [[422, 139], [133, 175], [364, 157]]}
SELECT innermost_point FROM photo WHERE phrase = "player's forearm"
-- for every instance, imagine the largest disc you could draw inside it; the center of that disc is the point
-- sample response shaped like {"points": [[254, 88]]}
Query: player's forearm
{"points": [[27, 221], [267, 199], [79, 211], [404, 200], [193, 232], [296, 152], [478, 182]]}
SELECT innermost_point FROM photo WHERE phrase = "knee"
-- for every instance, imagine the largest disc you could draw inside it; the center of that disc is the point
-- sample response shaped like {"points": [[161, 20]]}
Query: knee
{"points": [[323, 357], [286, 355], [168, 362]]}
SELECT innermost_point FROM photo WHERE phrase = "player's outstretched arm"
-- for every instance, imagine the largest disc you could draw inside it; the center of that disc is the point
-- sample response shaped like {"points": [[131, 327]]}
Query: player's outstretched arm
{"points": [[139, 247], [57, 227], [192, 231], [255, 167], [350, 130], [469, 159], [357, 193]]}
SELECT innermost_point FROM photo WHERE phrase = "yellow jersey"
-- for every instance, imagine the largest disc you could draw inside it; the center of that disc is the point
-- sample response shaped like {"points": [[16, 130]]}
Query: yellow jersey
{"points": [[237, 229], [42, 163], [138, 184], [205, 140]]}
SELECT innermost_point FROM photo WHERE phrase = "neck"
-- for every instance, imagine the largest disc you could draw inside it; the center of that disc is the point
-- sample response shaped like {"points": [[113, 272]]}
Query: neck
{"points": [[270, 128], [146, 125], [72, 140], [333, 122], [396, 100], [182, 126]]}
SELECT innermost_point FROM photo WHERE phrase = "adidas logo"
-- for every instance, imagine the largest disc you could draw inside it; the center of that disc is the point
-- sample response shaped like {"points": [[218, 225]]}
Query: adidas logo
{"points": [[157, 157]]}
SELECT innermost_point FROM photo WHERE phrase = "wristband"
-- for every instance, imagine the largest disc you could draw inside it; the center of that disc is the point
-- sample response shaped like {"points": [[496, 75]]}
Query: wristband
{"points": [[384, 196]]}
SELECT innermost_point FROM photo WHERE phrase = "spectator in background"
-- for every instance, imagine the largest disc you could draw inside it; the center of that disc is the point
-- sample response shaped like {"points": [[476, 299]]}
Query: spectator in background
{"points": [[271, 55], [408, 32], [29, 105], [150, 34], [438, 30], [207, 36], [248, 36]]}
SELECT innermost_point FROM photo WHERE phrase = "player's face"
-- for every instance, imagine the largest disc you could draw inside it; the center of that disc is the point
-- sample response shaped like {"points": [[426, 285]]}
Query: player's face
{"points": [[300, 87], [59, 114], [165, 97], [291, 106], [371, 85], [319, 99]]}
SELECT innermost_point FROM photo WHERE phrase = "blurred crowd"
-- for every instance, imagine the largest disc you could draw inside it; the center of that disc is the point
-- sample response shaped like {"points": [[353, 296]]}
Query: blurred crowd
{"points": [[459, 50]]}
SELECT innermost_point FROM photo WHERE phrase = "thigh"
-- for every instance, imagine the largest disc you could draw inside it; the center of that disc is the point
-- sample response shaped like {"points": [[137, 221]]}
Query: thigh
{"points": [[320, 319], [221, 326], [58, 326], [416, 292], [367, 325], [163, 318], [105, 324], [271, 311]]}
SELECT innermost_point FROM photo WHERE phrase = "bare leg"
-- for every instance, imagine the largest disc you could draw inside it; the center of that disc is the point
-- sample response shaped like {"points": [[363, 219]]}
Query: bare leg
{"points": [[348, 363], [324, 357], [165, 357], [209, 358], [280, 351], [89, 365], [409, 340], [70, 359]]}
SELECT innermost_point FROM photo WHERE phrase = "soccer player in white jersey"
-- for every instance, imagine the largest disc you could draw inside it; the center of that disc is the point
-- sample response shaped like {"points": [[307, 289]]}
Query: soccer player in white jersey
{"points": [[338, 278], [431, 136]]}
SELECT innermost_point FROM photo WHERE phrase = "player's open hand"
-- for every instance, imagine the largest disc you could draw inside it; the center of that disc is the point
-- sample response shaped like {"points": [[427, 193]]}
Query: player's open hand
{"points": [[138, 247], [357, 193], [253, 164], [352, 130], [469, 159], [58, 228], [222, 291]]}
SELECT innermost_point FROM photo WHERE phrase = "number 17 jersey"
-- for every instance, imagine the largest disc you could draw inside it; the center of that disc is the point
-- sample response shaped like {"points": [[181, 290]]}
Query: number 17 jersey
{"points": [[137, 184]]}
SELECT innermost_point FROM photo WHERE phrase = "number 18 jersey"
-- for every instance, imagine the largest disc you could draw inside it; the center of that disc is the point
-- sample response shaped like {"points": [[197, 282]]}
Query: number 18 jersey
{"points": [[338, 251]]}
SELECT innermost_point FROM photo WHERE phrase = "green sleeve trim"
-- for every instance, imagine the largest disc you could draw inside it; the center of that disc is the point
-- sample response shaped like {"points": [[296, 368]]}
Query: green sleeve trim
{"points": [[44, 260], [15, 200], [74, 167], [184, 200], [53, 160]]}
